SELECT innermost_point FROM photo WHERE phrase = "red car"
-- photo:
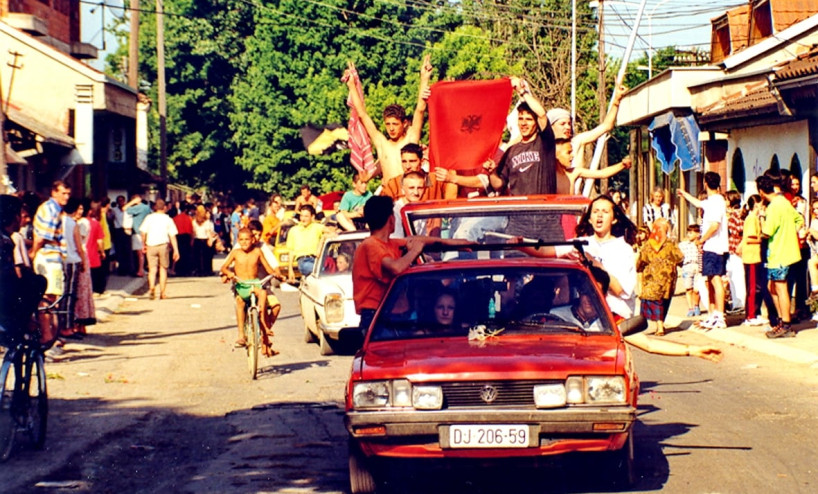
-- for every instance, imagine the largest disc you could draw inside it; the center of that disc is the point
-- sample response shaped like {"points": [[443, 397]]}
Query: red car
{"points": [[489, 353]]}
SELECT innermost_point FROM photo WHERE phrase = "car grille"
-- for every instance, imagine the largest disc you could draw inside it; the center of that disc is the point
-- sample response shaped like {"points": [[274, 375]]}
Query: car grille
{"points": [[490, 393]]}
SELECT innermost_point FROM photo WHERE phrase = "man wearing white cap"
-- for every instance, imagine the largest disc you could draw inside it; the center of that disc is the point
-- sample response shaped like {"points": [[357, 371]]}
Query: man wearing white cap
{"points": [[560, 120]]}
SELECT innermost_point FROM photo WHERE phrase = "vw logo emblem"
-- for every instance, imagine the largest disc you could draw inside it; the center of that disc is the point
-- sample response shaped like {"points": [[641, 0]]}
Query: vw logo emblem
{"points": [[488, 393]]}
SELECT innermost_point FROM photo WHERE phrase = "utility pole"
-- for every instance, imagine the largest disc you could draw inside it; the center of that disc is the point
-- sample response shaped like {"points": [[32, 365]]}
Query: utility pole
{"points": [[163, 111], [133, 47], [4, 178], [601, 95]]}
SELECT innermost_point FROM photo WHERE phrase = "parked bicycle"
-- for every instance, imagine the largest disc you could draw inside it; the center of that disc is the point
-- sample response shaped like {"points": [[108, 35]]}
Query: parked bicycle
{"points": [[252, 321], [23, 390]]}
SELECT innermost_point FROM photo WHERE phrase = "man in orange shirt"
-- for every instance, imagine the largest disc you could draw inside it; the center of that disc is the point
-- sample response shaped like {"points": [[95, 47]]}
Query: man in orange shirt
{"points": [[379, 259], [411, 158]]}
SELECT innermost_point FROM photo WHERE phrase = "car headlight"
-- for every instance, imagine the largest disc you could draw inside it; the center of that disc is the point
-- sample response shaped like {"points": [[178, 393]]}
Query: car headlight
{"points": [[334, 307], [606, 389], [427, 397], [549, 395], [401, 393], [370, 394], [574, 390], [398, 394]]}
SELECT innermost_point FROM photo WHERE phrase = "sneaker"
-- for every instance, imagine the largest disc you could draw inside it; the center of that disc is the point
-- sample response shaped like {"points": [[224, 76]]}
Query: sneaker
{"points": [[734, 311], [707, 323], [54, 353], [697, 311], [691, 313], [783, 331], [719, 323], [757, 321], [814, 317]]}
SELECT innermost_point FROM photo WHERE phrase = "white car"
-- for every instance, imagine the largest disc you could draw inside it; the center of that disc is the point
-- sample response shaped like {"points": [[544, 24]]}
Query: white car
{"points": [[326, 294]]}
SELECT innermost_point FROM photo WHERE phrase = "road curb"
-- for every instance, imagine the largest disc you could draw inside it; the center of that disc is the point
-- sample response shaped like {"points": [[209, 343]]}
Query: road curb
{"points": [[108, 305], [765, 346]]}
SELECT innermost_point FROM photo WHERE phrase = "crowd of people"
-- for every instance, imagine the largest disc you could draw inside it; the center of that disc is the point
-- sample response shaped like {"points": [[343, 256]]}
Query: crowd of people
{"points": [[736, 257]]}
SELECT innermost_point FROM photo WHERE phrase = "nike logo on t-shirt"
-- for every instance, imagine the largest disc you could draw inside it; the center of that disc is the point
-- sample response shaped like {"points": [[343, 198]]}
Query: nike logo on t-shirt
{"points": [[523, 169]]}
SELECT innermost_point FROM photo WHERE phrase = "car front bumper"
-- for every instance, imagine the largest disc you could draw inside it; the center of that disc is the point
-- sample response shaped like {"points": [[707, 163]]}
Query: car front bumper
{"points": [[424, 434]]}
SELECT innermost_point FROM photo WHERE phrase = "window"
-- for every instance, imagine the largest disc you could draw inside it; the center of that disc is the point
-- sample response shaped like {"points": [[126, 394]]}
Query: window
{"points": [[774, 165], [795, 167], [737, 173]]}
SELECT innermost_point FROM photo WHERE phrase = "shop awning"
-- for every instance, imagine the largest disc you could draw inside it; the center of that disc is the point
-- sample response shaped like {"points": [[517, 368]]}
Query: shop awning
{"points": [[12, 158], [45, 133], [676, 138]]}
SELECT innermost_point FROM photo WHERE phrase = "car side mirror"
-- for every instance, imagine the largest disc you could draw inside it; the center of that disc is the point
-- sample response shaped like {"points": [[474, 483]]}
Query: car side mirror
{"points": [[633, 325]]}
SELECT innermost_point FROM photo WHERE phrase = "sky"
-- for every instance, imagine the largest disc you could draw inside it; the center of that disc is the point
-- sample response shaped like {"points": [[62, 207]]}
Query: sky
{"points": [[681, 23]]}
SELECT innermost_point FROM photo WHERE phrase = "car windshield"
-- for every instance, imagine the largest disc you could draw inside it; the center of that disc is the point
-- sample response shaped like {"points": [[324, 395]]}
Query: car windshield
{"points": [[337, 257], [480, 302], [283, 230], [552, 223]]}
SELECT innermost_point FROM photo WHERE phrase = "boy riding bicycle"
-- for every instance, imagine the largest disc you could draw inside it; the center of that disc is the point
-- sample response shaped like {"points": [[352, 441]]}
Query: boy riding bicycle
{"points": [[244, 262]]}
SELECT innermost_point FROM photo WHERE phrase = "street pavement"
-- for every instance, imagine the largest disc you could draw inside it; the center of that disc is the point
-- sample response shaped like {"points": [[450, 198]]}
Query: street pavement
{"points": [[802, 349]]}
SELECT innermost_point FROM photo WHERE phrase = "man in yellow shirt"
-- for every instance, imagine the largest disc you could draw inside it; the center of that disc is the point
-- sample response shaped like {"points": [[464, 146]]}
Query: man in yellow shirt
{"points": [[303, 241]]}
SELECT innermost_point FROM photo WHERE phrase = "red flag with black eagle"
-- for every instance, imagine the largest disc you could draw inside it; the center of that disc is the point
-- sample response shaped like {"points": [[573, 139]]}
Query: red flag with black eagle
{"points": [[466, 122]]}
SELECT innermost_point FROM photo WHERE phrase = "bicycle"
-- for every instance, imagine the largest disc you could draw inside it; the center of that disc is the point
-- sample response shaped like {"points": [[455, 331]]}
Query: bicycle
{"points": [[23, 390], [252, 321]]}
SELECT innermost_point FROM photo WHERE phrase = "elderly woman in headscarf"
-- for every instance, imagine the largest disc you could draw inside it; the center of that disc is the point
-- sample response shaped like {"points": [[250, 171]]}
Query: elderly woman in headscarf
{"points": [[658, 260], [204, 236]]}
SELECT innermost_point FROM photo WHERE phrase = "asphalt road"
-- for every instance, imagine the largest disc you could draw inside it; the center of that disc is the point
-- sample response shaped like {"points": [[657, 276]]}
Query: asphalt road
{"points": [[157, 400]]}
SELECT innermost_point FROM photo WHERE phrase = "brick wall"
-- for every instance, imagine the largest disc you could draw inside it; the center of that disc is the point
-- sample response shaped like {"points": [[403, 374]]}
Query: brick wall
{"points": [[61, 16]]}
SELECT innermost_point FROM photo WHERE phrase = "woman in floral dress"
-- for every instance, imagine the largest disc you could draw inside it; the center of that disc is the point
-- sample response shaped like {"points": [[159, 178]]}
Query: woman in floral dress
{"points": [[658, 260]]}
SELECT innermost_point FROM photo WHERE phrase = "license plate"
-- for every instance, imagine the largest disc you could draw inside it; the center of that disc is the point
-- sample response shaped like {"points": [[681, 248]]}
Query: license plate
{"points": [[488, 436], [285, 257]]}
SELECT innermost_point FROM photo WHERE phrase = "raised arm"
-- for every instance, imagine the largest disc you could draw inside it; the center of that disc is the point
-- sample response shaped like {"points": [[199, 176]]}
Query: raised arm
{"points": [[689, 198], [606, 172], [423, 94], [358, 103], [524, 91], [606, 126]]}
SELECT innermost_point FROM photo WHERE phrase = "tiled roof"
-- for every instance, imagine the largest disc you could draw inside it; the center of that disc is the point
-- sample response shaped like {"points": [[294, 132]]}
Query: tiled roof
{"points": [[756, 101], [806, 64]]}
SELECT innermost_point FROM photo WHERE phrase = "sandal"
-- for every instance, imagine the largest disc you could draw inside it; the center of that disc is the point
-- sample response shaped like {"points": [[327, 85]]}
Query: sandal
{"points": [[659, 332], [241, 343]]}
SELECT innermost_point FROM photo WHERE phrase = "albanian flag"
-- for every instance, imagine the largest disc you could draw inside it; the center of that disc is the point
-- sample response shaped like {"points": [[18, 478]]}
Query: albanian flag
{"points": [[466, 122]]}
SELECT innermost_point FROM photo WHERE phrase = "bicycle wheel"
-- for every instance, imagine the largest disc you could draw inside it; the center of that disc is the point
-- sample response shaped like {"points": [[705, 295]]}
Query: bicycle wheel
{"points": [[8, 426], [253, 340], [37, 413]]}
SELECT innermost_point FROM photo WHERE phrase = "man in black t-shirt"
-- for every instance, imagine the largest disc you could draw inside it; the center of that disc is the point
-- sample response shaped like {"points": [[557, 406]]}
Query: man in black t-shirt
{"points": [[528, 167]]}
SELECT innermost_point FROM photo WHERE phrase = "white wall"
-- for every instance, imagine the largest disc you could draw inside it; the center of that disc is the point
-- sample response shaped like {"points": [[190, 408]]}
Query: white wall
{"points": [[759, 144]]}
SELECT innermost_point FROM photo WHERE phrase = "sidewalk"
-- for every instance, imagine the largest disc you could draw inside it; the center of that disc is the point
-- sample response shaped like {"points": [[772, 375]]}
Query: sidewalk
{"points": [[116, 290], [803, 349]]}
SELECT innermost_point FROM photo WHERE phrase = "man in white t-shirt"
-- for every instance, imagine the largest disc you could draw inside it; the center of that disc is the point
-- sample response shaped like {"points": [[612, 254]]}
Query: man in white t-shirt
{"points": [[158, 232], [714, 245]]}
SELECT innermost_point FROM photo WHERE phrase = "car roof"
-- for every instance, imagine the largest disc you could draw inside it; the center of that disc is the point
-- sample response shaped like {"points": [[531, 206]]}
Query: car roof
{"points": [[500, 203]]}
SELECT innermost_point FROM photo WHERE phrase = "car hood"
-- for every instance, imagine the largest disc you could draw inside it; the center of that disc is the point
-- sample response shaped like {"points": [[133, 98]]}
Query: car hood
{"points": [[341, 284], [448, 359]]}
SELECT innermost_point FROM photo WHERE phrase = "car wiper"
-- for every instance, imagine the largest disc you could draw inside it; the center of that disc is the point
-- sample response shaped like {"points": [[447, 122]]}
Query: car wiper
{"points": [[550, 323]]}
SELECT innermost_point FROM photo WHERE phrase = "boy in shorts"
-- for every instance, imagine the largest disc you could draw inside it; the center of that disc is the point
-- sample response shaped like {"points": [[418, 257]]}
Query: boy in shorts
{"points": [[242, 265], [691, 269]]}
